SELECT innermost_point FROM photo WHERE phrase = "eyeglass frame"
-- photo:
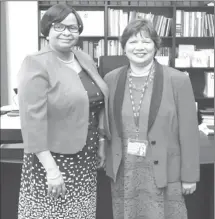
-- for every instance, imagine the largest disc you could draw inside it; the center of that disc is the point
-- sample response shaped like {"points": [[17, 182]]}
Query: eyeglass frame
{"points": [[66, 27]]}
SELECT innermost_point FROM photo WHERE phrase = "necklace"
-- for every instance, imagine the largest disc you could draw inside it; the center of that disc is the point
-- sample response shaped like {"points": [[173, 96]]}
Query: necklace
{"points": [[148, 80], [134, 74], [67, 62]]}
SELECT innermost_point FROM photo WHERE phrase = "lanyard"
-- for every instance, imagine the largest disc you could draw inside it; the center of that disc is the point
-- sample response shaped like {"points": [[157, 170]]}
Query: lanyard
{"points": [[136, 112]]}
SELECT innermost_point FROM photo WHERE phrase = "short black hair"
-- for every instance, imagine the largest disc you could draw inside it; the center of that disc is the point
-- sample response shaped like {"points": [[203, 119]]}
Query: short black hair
{"points": [[56, 14], [137, 26]]}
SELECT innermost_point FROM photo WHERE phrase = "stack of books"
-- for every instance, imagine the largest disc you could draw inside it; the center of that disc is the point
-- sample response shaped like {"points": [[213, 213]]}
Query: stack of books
{"points": [[207, 125]]}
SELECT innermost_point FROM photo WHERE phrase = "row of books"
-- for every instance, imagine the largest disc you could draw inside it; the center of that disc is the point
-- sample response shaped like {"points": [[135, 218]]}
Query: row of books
{"points": [[188, 24], [163, 56], [163, 51], [190, 56], [194, 24], [94, 49], [131, 2], [161, 23], [118, 20], [114, 48], [73, 2]]}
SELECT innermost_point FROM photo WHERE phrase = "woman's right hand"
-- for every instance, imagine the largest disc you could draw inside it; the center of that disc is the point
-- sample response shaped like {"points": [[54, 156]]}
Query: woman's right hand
{"points": [[56, 185], [101, 153]]}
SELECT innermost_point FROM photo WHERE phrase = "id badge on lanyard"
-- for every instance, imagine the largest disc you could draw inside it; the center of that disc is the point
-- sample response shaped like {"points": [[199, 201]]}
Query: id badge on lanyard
{"points": [[137, 147]]}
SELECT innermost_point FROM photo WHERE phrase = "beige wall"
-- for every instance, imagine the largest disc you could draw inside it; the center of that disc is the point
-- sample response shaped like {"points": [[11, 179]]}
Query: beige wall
{"points": [[4, 76], [20, 38]]}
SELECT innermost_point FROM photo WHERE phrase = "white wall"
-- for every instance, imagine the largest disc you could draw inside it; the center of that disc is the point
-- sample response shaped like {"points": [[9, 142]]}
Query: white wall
{"points": [[3, 57], [22, 37]]}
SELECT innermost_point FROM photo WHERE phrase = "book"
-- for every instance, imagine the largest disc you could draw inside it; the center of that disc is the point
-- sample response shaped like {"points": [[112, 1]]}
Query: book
{"points": [[211, 59], [163, 60], [185, 50], [179, 32], [194, 24], [200, 59], [207, 130], [209, 84], [93, 22]]}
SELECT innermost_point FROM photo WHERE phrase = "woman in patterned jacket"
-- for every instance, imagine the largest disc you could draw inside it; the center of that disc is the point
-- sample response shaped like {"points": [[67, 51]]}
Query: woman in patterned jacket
{"points": [[61, 96]]}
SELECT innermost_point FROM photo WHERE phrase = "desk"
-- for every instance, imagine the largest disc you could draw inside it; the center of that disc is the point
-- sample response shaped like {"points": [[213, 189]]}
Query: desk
{"points": [[200, 205]]}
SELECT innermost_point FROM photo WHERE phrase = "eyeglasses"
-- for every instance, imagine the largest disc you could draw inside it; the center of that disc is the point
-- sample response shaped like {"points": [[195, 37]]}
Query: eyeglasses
{"points": [[59, 27]]}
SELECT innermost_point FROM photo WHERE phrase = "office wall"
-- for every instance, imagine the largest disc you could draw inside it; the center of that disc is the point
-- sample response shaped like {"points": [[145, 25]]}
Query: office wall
{"points": [[21, 35], [3, 63]]}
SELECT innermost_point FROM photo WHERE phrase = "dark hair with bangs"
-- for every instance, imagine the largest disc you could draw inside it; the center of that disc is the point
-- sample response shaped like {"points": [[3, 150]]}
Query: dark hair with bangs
{"points": [[56, 14], [138, 26]]}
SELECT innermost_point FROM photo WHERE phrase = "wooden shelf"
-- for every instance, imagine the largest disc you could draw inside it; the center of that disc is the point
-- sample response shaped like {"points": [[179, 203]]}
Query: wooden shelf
{"points": [[162, 37], [46, 6], [194, 38], [204, 98], [141, 5], [91, 37], [195, 68], [195, 8], [203, 42]]}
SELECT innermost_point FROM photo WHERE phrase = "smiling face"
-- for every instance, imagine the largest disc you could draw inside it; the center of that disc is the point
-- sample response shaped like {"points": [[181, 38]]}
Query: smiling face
{"points": [[63, 41], [140, 49]]}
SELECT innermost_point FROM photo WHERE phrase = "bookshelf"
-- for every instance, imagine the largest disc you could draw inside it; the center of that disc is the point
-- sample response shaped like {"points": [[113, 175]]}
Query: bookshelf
{"points": [[187, 23], [201, 203]]}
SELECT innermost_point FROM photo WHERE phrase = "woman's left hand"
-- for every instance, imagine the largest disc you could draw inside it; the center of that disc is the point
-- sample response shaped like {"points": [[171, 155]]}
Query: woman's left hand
{"points": [[188, 188], [101, 154]]}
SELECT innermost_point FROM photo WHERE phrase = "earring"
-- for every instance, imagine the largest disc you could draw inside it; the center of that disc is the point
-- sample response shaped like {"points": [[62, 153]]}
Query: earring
{"points": [[47, 38]]}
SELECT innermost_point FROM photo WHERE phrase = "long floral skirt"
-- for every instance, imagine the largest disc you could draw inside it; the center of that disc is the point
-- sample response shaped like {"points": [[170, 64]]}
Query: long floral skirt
{"points": [[79, 173]]}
